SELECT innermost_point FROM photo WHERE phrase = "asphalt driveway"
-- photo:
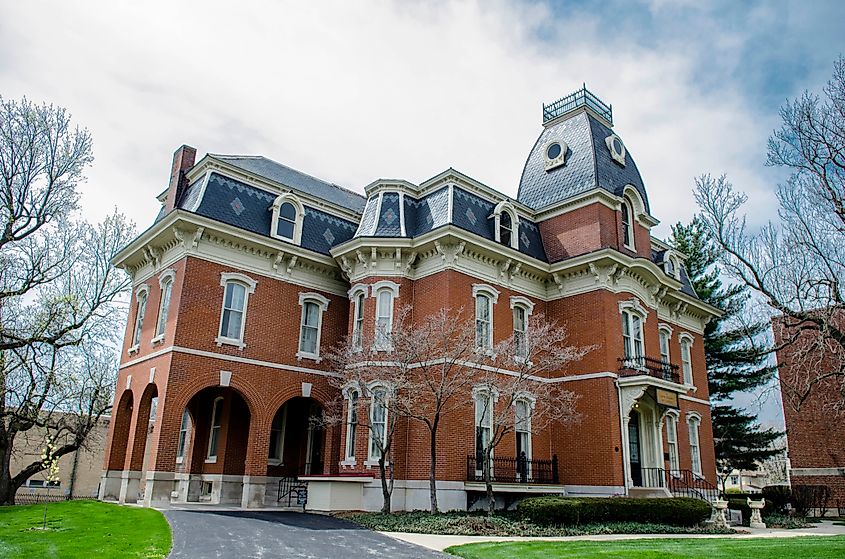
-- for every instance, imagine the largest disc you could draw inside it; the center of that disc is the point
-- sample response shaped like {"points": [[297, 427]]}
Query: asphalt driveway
{"points": [[266, 535]]}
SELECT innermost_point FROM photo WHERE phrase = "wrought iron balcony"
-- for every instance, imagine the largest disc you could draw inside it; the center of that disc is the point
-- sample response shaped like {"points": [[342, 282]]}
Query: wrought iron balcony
{"points": [[580, 98], [514, 470], [656, 368]]}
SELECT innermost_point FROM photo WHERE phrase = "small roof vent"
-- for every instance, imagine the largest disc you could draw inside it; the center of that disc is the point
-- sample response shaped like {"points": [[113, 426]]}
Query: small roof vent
{"points": [[575, 100]]}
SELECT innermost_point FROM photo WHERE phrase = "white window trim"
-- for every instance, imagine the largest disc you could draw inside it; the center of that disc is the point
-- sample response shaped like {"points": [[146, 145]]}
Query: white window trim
{"points": [[531, 402], [321, 302], [674, 417], [527, 305], [349, 459], [629, 231], [187, 429], [209, 458], [166, 276], [685, 339], [506, 206], [633, 306], [372, 460], [484, 391], [359, 289], [670, 257], [665, 329], [694, 421], [493, 294], [249, 284], [376, 289], [280, 461], [144, 290], [297, 227]]}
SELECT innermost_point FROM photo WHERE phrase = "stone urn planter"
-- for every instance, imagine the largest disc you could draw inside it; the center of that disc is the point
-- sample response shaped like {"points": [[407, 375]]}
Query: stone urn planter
{"points": [[719, 508], [756, 508]]}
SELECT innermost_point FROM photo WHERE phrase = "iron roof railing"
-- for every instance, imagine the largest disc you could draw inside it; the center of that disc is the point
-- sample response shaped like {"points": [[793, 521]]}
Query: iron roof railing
{"points": [[580, 98]]}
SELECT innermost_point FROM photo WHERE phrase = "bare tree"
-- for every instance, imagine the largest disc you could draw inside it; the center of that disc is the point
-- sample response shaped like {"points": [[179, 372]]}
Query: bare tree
{"points": [[59, 294], [796, 265], [516, 388]]}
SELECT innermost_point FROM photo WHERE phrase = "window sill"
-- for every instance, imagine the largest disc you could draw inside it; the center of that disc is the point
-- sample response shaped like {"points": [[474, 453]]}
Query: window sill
{"points": [[275, 462], [350, 462], [310, 356], [691, 387], [370, 463], [133, 349], [211, 460], [179, 459], [157, 340], [229, 341]]}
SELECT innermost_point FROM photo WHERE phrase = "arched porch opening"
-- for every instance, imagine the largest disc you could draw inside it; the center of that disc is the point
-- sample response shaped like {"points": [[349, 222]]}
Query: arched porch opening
{"points": [[121, 423], [297, 439], [147, 408]]}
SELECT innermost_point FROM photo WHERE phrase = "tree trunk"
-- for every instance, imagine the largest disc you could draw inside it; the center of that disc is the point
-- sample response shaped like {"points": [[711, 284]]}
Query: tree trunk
{"points": [[385, 490], [488, 482], [432, 470], [7, 486]]}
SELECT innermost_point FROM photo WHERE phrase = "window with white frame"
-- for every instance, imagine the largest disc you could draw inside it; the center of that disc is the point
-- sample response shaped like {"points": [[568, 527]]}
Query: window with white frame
{"points": [[627, 223], [310, 329], [287, 218], [277, 437], [686, 358], [141, 309], [693, 422], [385, 292], [522, 428], [214, 432], [522, 308], [357, 295], [184, 433], [485, 297], [351, 423], [378, 421], [632, 335], [166, 283], [484, 401], [236, 291], [672, 443], [506, 224], [664, 344]]}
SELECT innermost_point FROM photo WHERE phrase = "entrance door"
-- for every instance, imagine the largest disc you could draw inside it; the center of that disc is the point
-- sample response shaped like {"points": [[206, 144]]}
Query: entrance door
{"points": [[314, 443], [634, 448]]}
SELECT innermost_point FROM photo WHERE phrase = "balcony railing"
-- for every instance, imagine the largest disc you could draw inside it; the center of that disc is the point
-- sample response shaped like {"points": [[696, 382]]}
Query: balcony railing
{"points": [[514, 470], [579, 98], [657, 368]]}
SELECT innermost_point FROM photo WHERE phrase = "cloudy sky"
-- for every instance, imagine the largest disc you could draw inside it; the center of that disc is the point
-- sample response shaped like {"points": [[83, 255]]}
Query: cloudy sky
{"points": [[354, 91]]}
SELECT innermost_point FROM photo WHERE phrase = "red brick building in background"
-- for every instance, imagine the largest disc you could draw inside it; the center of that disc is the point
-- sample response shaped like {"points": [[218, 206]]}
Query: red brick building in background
{"points": [[252, 270]]}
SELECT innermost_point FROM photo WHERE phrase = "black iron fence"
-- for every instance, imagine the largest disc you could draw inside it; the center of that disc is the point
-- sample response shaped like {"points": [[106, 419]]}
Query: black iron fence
{"points": [[680, 483], [514, 470], [641, 365]]}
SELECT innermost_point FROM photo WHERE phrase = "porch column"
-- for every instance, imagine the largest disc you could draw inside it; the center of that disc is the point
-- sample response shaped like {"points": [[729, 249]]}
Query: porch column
{"points": [[255, 469]]}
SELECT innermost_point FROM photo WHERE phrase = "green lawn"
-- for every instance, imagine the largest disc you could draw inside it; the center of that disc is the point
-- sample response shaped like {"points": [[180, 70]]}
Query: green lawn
{"points": [[727, 548], [83, 529]]}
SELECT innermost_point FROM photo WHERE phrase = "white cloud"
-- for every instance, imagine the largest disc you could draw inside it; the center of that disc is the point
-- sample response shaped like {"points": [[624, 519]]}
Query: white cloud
{"points": [[353, 91]]}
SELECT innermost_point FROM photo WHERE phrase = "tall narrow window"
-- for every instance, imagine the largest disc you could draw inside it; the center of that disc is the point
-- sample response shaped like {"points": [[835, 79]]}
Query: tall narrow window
{"points": [[358, 323], [522, 427], [277, 436], [505, 228], [139, 318], [184, 429], [378, 422], [664, 346], [695, 451], [384, 318], [234, 299], [286, 224], [483, 322], [520, 327], [351, 424], [310, 328], [672, 443], [483, 427], [686, 360], [632, 334], [166, 291], [214, 433], [627, 224]]}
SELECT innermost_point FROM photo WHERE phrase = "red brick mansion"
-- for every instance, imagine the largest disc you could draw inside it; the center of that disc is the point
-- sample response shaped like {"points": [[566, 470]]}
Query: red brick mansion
{"points": [[252, 271]]}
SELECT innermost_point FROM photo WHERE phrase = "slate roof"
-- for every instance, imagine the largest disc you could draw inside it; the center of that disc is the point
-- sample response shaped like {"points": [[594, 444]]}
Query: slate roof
{"points": [[296, 180], [588, 165]]}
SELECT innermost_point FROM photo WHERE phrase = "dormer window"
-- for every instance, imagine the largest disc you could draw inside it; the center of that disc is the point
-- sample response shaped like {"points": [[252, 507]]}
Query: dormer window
{"points": [[506, 224], [627, 223], [287, 218], [671, 265]]}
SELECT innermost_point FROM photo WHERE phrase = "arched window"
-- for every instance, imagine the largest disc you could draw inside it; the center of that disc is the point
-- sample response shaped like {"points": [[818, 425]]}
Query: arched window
{"points": [[378, 422], [522, 429], [236, 291], [686, 358], [665, 354], [384, 292], [522, 309], [276, 453], [693, 422], [632, 335], [214, 433], [141, 309], [485, 297], [357, 294], [627, 223], [287, 218], [506, 224], [184, 430], [672, 443], [166, 284], [485, 400], [310, 326], [351, 423]]}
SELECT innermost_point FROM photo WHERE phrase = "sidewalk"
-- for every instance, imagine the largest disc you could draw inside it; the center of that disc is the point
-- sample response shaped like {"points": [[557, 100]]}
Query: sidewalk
{"points": [[441, 542]]}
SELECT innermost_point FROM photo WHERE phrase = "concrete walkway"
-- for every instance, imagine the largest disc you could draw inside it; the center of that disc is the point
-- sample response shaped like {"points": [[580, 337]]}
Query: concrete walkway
{"points": [[439, 542]]}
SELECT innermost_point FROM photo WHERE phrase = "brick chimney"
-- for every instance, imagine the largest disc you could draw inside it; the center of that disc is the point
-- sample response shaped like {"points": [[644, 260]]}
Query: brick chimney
{"points": [[183, 159]]}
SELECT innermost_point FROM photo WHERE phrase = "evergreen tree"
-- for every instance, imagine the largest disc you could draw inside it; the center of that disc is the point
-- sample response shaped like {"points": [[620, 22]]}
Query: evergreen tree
{"points": [[736, 357]]}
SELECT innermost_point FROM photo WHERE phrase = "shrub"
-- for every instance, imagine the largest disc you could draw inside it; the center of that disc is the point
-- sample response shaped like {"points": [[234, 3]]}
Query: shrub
{"points": [[566, 511], [778, 496], [807, 499]]}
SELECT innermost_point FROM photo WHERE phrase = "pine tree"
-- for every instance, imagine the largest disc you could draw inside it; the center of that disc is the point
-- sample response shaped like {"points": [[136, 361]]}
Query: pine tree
{"points": [[735, 353]]}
